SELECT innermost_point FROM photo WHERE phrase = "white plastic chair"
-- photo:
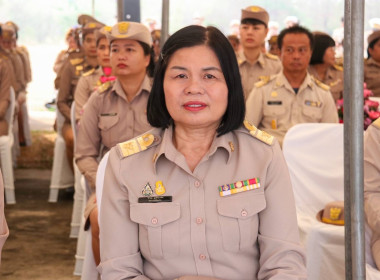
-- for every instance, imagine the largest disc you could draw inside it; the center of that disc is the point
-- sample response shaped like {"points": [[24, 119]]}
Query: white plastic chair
{"points": [[314, 154], [25, 118], [6, 144], [61, 175], [79, 187], [89, 266]]}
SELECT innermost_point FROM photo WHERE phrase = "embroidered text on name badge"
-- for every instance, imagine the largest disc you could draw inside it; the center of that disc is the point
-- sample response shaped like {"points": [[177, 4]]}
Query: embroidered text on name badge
{"points": [[240, 186]]}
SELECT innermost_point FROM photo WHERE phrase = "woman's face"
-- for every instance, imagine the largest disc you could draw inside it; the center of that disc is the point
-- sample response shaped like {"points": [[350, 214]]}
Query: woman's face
{"points": [[103, 52], [89, 45], [128, 58], [329, 56], [196, 92]]}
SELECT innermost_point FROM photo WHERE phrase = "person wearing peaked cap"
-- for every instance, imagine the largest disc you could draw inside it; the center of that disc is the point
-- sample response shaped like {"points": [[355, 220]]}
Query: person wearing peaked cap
{"points": [[322, 64], [116, 111], [92, 79], [253, 64], [372, 64], [69, 75], [6, 75]]}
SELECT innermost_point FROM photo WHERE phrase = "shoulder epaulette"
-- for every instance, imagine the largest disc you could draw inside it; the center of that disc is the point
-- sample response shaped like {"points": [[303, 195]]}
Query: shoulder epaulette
{"points": [[263, 81], [259, 134], [271, 56], [73, 50], [102, 88], [89, 72], [76, 61], [337, 67], [135, 145], [377, 123], [320, 84]]}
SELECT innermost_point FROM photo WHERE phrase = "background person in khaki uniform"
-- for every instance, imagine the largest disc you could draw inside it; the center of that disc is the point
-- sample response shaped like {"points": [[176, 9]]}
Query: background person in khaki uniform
{"points": [[323, 67], [292, 96], [199, 196], [253, 64], [69, 75], [372, 64], [5, 85], [116, 112], [372, 185], [4, 231], [96, 77]]}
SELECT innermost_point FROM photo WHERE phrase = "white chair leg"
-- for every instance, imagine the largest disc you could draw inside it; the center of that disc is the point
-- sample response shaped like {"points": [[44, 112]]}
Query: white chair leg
{"points": [[25, 117], [61, 175], [7, 169], [79, 196]]}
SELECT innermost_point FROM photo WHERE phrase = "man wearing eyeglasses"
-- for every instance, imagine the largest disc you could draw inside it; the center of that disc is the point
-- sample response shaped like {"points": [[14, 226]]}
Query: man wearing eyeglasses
{"points": [[278, 102]]}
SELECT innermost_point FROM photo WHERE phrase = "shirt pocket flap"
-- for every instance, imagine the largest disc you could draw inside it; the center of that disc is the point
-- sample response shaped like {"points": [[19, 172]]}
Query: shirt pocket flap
{"points": [[241, 207], [155, 214], [106, 122], [274, 110]]}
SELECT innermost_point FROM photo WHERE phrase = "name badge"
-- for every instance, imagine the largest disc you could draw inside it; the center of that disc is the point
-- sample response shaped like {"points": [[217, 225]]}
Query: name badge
{"points": [[274, 102], [155, 199], [108, 114], [239, 186]]}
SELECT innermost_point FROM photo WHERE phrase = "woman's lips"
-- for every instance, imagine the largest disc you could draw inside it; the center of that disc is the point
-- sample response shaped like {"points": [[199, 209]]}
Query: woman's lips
{"points": [[194, 106]]}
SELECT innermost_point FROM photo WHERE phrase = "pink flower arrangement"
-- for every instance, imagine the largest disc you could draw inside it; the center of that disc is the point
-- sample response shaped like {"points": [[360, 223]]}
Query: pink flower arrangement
{"points": [[370, 108]]}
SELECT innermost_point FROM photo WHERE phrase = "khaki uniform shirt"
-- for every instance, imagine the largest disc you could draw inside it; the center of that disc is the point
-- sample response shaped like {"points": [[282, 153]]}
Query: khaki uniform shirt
{"points": [[333, 78], [372, 175], [5, 85], [265, 65], [24, 54], [9, 65], [273, 105], [372, 76], [69, 76], [87, 84], [4, 232], [246, 235], [109, 119]]}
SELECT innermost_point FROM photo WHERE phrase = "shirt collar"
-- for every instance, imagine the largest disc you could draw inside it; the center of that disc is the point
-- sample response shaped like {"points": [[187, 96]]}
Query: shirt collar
{"points": [[242, 58], [282, 81], [167, 149], [145, 87]]}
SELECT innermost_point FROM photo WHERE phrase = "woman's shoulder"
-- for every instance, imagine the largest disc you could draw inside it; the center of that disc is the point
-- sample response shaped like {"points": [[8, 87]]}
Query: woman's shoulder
{"points": [[251, 133]]}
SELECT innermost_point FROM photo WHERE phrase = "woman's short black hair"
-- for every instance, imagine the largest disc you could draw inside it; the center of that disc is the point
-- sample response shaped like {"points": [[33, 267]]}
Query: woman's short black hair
{"points": [[190, 36], [148, 51], [322, 42], [296, 29], [371, 46]]}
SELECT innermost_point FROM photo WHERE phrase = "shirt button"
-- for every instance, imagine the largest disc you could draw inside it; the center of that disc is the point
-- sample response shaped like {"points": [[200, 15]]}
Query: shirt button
{"points": [[202, 257], [197, 184], [199, 220], [244, 213], [154, 221]]}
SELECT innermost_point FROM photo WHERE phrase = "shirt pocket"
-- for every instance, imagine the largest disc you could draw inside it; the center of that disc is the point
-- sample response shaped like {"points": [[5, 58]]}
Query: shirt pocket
{"points": [[107, 126], [273, 109], [312, 113], [238, 218], [159, 227]]}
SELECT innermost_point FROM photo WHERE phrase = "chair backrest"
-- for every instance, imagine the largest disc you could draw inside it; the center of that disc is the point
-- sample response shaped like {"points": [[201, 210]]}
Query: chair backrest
{"points": [[314, 154], [10, 115], [100, 180]]}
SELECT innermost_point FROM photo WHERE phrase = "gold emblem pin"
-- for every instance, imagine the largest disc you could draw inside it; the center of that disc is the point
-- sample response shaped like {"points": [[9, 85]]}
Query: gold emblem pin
{"points": [[274, 94], [147, 190], [92, 25], [160, 189], [107, 28], [255, 9], [123, 27]]}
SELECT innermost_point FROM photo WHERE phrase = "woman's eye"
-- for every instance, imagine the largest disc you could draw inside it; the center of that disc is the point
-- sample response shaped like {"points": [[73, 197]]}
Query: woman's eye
{"points": [[181, 76], [209, 76]]}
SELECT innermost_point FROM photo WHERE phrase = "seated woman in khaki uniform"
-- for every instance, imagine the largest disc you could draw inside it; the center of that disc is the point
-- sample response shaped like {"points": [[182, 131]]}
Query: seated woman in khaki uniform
{"points": [[204, 195], [323, 67], [4, 232], [116, 112]]}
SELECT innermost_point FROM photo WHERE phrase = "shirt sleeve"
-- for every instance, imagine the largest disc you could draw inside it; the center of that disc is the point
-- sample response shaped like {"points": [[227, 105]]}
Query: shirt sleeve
{"points": [[88, 141], [254, 106], [281, 255], [330, 113], [5, 85], [119, 236], [65, 91], [81, 96], [372, 177]]}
